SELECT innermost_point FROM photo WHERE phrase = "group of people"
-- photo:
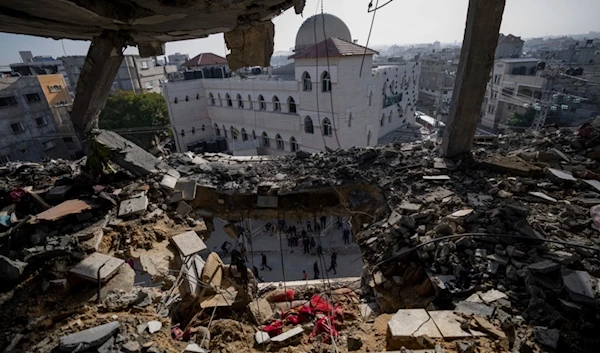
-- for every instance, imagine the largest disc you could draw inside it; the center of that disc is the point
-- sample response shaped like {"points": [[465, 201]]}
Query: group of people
{"points": [[317, 272]]}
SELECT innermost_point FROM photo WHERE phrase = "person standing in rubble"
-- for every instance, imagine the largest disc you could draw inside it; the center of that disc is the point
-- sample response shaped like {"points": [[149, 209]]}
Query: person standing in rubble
{"points": [[346, 236], [263, 262], [323, 222], [316, 269], [306, 244], [333, 262]]}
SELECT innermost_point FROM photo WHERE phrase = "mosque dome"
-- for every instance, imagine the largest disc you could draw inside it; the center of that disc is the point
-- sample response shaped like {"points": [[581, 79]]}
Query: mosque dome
{"points": [[334, 28]]}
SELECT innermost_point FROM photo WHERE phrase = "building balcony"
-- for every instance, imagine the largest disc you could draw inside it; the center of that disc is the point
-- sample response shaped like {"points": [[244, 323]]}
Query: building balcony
{"points": [[391, 100]]}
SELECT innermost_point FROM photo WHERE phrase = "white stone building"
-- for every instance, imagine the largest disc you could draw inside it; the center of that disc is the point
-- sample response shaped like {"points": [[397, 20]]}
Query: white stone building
{"points": [[328, 102]]}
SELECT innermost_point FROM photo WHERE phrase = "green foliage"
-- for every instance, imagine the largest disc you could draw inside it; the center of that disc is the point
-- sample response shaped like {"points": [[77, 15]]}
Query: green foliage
{"points": [[526, 119], [125, 109]]}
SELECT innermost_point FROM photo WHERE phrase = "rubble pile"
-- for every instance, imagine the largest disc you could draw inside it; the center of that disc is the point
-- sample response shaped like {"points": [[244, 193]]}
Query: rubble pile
{"points": [[497, 251]]}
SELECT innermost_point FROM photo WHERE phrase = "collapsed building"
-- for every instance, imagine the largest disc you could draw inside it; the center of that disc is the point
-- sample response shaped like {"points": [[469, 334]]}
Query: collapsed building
{"points": [[474, 245]]}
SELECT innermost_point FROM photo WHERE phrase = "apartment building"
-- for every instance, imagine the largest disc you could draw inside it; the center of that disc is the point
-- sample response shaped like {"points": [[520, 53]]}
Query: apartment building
{"points": [[135, 73], [509, 47], [515, 83], [436, 85], [34, 119]]}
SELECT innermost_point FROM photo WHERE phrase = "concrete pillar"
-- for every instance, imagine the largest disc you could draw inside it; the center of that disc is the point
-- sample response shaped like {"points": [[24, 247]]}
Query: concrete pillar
{"points": [[97, 75], [476, 61]]}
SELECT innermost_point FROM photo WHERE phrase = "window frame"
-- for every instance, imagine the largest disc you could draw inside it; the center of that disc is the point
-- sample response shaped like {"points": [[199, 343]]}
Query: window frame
{"points": [[327, 127], [306, 82], [45, 122], [325, 82], [294, 147], [306, 126], [292, 103], [279, 143]]}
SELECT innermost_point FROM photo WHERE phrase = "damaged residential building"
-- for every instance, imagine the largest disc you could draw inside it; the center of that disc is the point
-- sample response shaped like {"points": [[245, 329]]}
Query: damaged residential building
{"points": [[325, 101], [469, 245]]}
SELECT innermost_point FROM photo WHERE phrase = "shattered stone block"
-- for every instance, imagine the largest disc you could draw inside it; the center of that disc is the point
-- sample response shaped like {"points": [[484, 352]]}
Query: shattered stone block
{"points": [[545, 266], [262, 337], [261, 310], [133, 206], [183, 209], [258, 53], [127, 154], [187, 188], [86, 339], [580, 286], [288, 338], [168, 182], [188, 243], [471, 308], [11, 270], [407, 325]]}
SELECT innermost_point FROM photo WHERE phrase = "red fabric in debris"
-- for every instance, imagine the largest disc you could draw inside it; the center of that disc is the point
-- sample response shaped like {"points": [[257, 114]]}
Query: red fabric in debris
{"points": [[280, 295], [303, 314], [274, 328], [177, 333], [319, 303], [16, 195], [322, 326]]}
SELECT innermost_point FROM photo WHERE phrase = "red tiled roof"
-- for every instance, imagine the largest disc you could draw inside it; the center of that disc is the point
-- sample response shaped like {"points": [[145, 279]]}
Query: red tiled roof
{"points": [[205, 59], [334, 47]]}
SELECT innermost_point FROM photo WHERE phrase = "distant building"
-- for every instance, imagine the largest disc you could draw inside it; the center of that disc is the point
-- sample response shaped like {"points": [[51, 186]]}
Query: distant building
{"points": [[322, 100], [26, 56], [178, 59], [436, 85], [206, 65], [515, 83], [34, 119], [509, 47], [581, 53], [45, 66], [134, 72]]}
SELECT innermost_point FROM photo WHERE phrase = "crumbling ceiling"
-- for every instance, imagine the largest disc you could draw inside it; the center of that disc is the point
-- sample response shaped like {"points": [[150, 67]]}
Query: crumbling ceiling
{"points": [[146, 21]]}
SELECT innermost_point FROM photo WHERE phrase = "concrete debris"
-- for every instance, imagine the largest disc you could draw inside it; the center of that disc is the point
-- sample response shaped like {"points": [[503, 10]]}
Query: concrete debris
{"points": [[126, 154], [546, 337], [261, 310], [288, 338], [449, 325], [183, 209], [188, 243], [11, 270], [187, 188], [262, 337], [194, 348], [407, 325], [545, 266], [543, 196], [168, 181], [134, 206], [471, 308], [132, 347], [97, 266], [86, 339], [580, 286], [154, 326], [560, 175], [354, 343]]}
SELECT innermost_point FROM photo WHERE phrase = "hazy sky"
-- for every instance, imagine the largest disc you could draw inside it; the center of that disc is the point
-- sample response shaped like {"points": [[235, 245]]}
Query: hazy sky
{"points": [[401, 22]]}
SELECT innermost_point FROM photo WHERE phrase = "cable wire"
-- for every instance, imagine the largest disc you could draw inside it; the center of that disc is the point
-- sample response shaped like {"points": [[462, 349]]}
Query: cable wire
{"points": [[368, 37]]}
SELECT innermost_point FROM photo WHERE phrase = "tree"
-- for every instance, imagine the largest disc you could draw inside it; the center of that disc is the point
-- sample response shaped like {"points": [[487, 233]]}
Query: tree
{"points": [[127, 110], [526, 119]]}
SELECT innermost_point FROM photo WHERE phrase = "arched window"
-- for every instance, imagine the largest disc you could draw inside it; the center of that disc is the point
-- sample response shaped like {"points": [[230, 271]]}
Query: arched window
{"points": [[325, 82], [224, 131], [253, 135], [197, 96], [293, 144], [382, 121], [229, 102], [350, 120], [217, 131], [279, 142], [265, 140], [262, 105], [175, 100], [220, 101], [203, 127], [390, 117], [369, 138], [308, 125], [327, 128], [240, 101], [306, 83], [187, 98], [234, 133], [250, 102], [211, 98], [291, 105], [244, 135], [276, 104]]}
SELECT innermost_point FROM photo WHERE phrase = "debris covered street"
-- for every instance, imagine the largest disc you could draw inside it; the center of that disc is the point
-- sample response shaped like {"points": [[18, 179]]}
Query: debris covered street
{"points": [[494, 252]]}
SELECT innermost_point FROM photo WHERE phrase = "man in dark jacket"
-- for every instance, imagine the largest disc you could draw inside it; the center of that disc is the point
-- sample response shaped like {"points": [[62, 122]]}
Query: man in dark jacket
{"points": [[316, 269]]}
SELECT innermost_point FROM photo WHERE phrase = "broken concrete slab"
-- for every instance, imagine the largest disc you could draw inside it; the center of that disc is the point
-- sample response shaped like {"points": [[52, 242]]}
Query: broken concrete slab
{"points": [[593, 183], [410, 207], [58, 193], [478, 200], [487, 297], [11, 270], [262, 337], [183, 209], [168, 182], [407, 325], [64, 209], [543, 196], [133, 206], [187, 188], [97, 265], [86, 339], [290, 337], [132, 347], [546, 337], [471, 308], [175, 196], [154, 326], [511, 165], [483, 325], [580, 286], [545, 266], [449, 325], [127, 154], [560, 176], [436, 177], [188, 243], [261, 310]]}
